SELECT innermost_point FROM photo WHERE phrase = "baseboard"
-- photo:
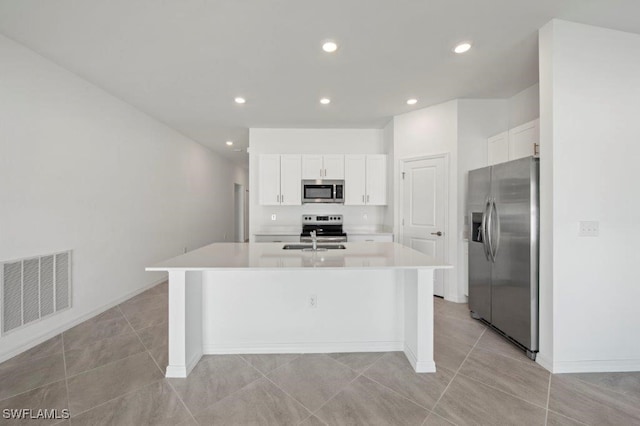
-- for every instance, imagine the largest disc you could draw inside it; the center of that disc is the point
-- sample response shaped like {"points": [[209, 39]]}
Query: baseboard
{"points": [[544, 362], [301, 347], [70, 324], [183, 371], [419, 366], [596, 366], [457, 299]]}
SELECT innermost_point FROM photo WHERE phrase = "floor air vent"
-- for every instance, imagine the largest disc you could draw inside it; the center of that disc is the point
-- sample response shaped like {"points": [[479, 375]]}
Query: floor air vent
{"points": [[34, 288]]}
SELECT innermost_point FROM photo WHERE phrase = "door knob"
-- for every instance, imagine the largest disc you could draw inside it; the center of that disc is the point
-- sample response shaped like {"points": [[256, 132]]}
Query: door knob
{"points": [[439, 234]]}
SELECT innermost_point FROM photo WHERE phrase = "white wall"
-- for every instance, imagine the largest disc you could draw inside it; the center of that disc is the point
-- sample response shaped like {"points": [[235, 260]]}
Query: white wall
{"points": [[81, 170], [430, 131], [590, 81], [310, 141], [524, 106]]}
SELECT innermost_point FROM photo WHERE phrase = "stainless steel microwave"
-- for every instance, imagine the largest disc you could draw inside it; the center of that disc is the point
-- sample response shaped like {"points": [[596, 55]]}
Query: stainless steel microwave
{"points": [[322, 191]]}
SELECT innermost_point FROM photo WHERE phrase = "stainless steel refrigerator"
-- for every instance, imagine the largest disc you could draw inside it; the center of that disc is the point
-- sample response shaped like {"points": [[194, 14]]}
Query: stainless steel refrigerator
{"points": [[503, 211]]}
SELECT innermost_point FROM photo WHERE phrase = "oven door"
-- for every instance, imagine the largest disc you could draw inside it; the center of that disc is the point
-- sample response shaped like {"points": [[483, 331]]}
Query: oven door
{"points": [[318, 193]]}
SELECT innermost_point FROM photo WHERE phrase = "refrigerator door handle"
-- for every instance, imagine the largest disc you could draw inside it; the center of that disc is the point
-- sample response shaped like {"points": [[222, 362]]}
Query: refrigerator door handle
{"points": [[497, 229], [485, 234], [489, 231]]}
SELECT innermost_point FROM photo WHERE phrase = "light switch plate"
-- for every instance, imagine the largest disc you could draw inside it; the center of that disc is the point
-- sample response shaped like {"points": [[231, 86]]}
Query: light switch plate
{"points": [[273, 217], [589, 228]]}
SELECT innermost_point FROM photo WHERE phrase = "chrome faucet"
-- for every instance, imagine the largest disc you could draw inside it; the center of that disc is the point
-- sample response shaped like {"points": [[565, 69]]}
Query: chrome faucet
{"points": [[314, 241]]}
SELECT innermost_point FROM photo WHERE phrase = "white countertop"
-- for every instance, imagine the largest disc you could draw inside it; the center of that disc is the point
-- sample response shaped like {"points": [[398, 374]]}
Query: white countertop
{"points": [[261, 256]]}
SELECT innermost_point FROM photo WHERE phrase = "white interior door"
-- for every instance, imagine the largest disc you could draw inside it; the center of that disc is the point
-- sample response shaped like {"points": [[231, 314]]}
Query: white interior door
{"points": [[424, 210]]}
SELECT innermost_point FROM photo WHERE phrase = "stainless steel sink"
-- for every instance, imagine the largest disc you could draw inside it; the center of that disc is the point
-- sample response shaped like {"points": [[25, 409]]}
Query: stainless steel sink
{"points": [[308, 247]]}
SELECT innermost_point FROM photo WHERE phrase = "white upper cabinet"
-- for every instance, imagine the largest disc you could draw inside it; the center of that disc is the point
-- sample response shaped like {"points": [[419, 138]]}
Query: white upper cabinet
{"points": [[376, 180], [519, 142], [365, 180], [355, 175], [524, 140], [498, 148], [280, 180], [323, 166], [269, 177]]}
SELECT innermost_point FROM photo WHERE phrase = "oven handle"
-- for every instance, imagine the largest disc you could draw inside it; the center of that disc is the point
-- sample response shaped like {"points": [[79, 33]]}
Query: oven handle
{"points": [[306, 239]]}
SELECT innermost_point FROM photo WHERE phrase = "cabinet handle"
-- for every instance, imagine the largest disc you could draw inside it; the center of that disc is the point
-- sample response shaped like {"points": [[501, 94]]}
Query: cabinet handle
{"points": [[536, 151], [282, 198], [325, 172], [363, 198], [320, 172], [367, 198]]}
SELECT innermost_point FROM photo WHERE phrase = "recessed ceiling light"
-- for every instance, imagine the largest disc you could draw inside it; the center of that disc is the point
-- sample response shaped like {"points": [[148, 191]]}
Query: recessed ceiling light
{"points": [[462, 47], [325, 101], [329, 46], [240, 100], [412, 101], [229, 143]]}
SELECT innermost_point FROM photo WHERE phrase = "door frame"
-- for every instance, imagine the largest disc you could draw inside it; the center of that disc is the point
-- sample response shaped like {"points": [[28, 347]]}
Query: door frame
{"points": [[400, 209]]}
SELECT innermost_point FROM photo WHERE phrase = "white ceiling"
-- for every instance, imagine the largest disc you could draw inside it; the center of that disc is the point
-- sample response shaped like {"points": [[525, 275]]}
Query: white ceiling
{"points": [[184, 61]]}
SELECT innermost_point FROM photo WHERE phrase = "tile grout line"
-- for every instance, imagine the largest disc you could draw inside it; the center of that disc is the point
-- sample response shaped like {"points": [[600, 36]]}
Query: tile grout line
{"points": [[397, 393], [276, 385], [126, 393], [456, 372], [243, 387], [569, 418], [502, 391], [546, 418], [159, 368], [487, 384], [362, 374], [66, 383], [37, 387], [231, 394], [366, 368], [117, 397]]}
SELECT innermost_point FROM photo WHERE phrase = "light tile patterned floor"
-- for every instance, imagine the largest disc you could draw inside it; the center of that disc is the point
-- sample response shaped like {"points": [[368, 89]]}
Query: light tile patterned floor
{"points": [[108, 371]]}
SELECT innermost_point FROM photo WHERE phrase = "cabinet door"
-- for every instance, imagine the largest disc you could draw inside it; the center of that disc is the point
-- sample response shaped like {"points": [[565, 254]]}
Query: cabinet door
{"points": [[498, 149], [354, 180], [290, 180], [333, 166], [523, 140], [376, 180], [312, 167], [269, 176]]}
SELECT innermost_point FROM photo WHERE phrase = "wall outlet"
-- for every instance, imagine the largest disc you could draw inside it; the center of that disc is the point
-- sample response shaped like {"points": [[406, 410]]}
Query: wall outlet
{"points": [[273, 216], [313, 301], [365, 216], [589, 228]]}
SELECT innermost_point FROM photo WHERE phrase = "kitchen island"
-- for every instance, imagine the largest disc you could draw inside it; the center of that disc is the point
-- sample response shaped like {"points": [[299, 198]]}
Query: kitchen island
{"points": [[260, 298]]}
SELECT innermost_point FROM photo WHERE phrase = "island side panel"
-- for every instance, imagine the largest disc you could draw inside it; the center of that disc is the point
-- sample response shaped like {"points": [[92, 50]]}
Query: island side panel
{"points": [[185, 322], [418, 293], [269, 311]]}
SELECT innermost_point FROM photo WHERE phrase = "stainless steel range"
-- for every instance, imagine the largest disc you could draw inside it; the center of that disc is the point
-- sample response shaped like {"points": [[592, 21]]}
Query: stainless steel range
{"points": [[328, 228]]}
